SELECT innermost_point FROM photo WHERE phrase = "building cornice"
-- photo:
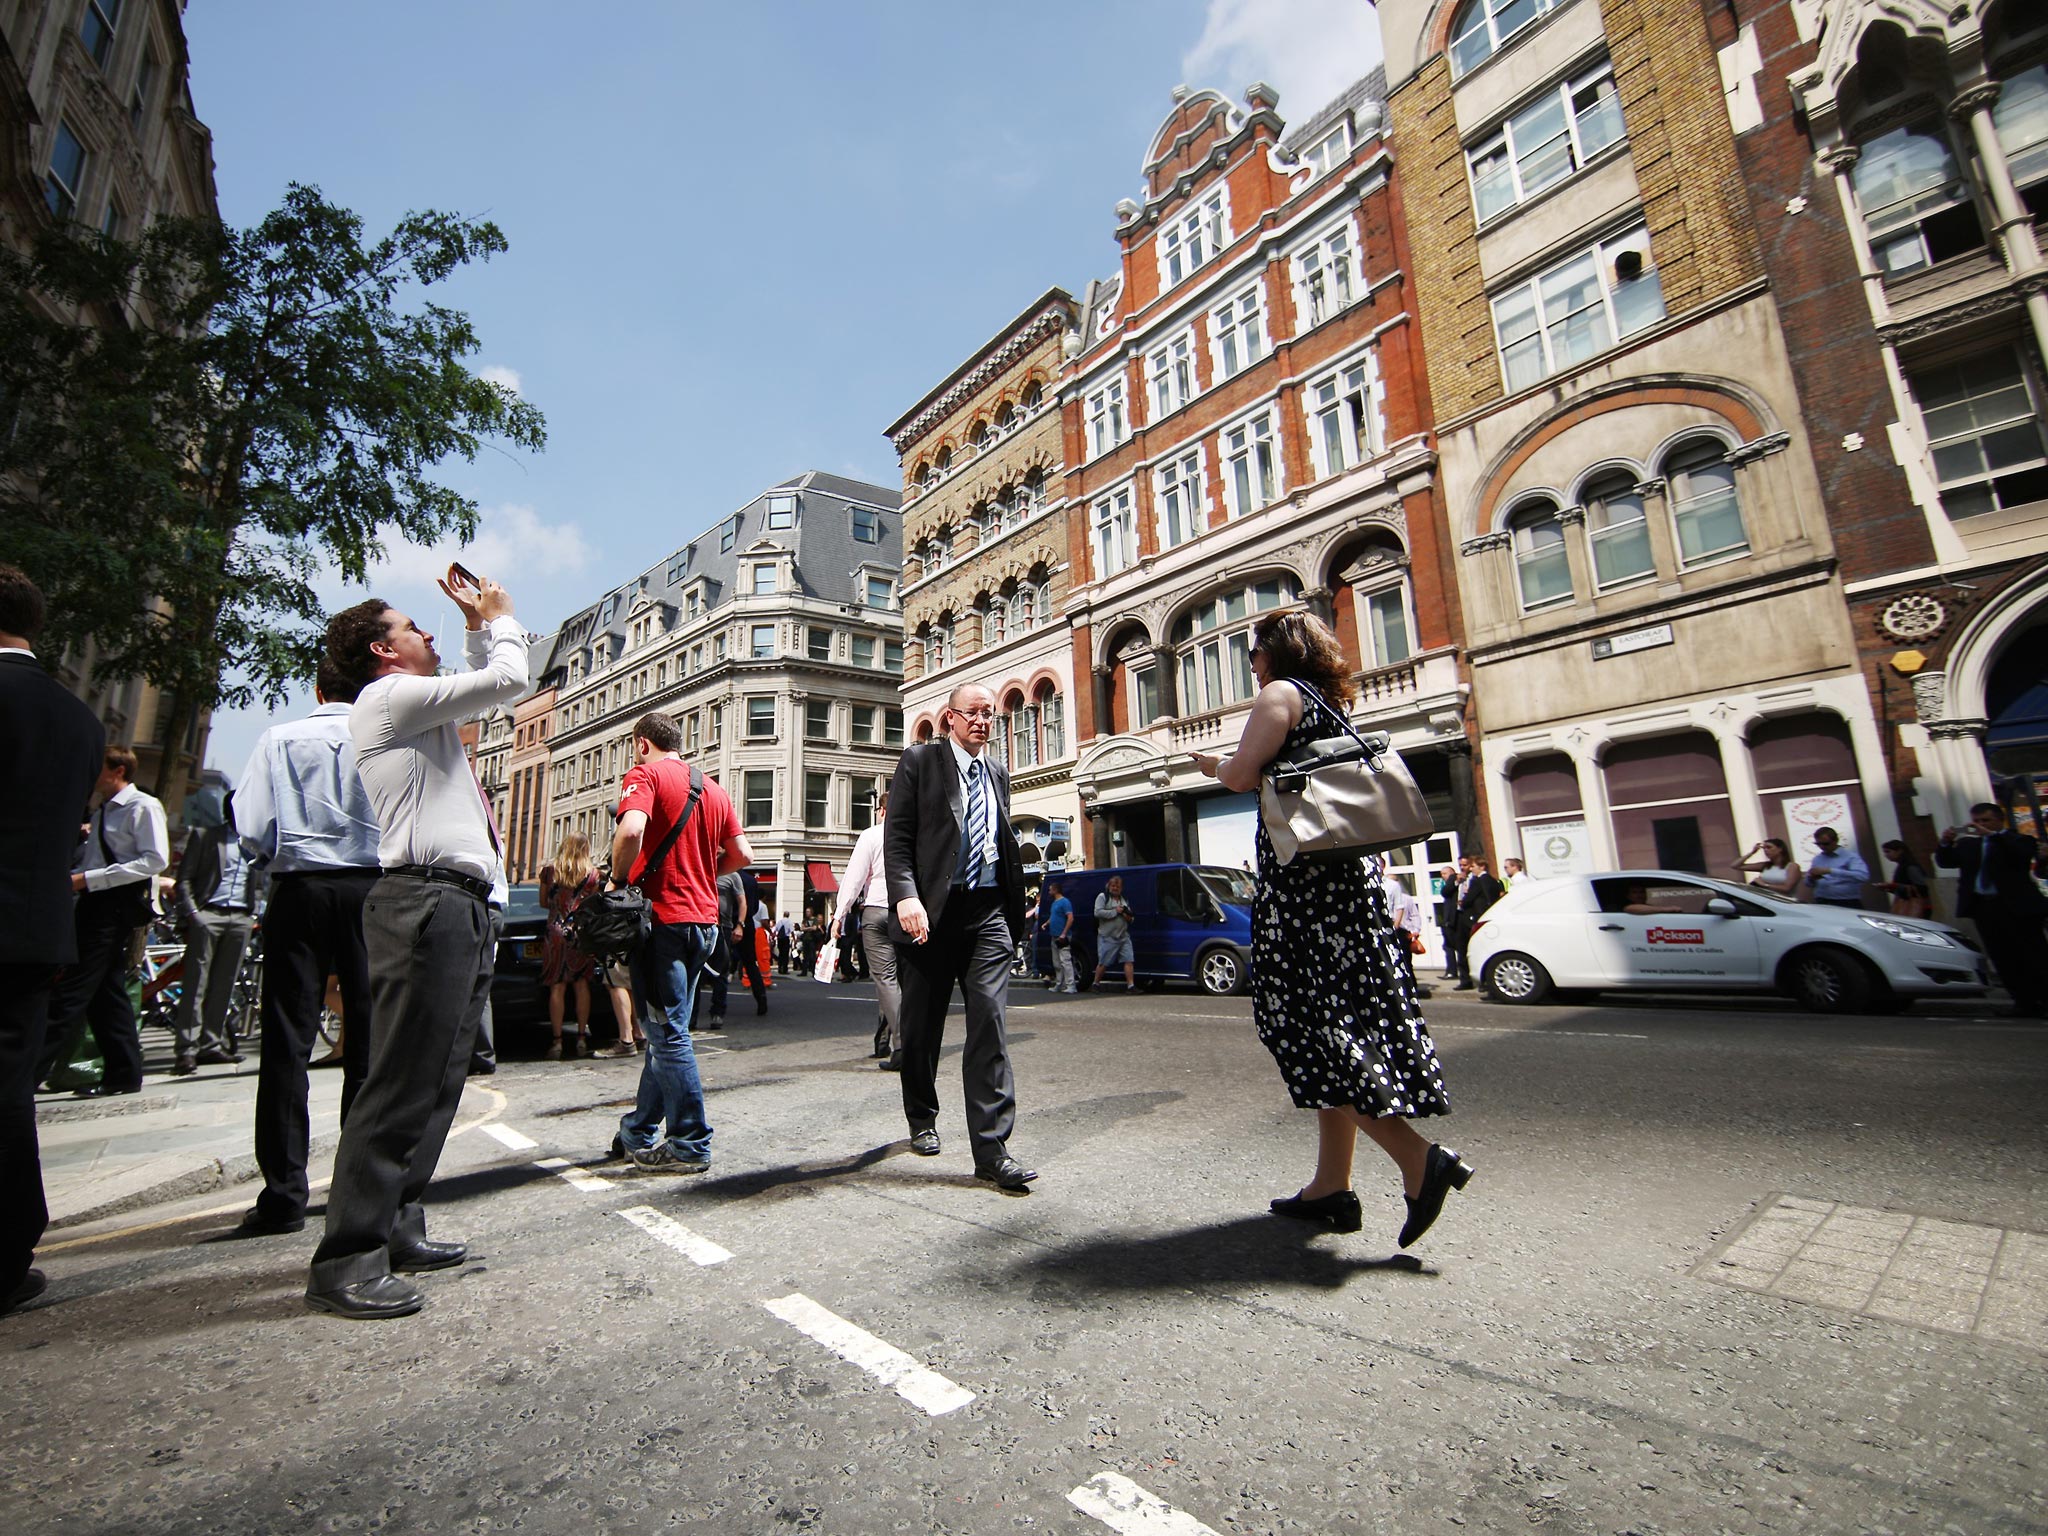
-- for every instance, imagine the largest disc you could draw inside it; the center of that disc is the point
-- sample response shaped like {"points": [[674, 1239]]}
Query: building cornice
{"points": [[1050, 316]]}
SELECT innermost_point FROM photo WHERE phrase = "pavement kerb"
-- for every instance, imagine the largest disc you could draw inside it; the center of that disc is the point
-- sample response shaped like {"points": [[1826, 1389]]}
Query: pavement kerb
{"points": [[204, 1175]]}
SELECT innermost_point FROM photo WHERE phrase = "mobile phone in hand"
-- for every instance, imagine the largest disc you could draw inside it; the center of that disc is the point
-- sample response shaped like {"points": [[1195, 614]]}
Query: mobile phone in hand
{"points": [[463, 573]]}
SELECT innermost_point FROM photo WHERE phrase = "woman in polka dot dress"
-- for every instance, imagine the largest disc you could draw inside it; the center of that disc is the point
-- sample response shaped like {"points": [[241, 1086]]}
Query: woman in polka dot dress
{"points": [[1330, 997]]}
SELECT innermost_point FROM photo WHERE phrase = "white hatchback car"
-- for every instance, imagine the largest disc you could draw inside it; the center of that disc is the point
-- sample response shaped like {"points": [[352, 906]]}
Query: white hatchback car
{"points": [[1655, 930]]}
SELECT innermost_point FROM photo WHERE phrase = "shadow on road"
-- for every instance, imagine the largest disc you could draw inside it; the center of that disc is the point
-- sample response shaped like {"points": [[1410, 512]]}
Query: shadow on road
{"points": [[1260, 1250], [761, 1181]]}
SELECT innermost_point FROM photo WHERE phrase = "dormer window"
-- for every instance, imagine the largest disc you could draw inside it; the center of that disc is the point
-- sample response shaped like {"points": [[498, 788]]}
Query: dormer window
{"points": [[1194, 238], [782, 511]]}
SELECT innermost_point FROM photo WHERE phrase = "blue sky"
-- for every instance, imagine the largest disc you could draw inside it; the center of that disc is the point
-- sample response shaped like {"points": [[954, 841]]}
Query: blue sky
{"points": [[744, 238]]}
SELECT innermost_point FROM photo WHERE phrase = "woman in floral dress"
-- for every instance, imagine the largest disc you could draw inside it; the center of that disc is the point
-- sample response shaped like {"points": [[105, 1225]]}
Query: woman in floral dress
{"points": [[1331, 997]]}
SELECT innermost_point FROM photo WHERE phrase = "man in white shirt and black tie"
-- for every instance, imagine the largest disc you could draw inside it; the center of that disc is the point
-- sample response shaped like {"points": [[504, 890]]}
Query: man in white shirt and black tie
{"points": [[127, 845], [427, 927]]}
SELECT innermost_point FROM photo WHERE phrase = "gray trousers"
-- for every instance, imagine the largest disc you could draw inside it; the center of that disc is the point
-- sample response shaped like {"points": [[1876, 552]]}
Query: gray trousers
{"points": [[971, 947], [430, 975], [214, 945], [874, 939]]}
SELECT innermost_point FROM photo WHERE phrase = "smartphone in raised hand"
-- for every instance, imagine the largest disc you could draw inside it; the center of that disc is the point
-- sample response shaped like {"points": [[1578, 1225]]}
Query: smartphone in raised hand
{"points": [[465, 575]]}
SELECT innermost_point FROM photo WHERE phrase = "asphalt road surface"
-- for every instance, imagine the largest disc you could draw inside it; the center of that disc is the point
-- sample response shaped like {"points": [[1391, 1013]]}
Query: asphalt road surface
{"points": [[1725, 1267]]}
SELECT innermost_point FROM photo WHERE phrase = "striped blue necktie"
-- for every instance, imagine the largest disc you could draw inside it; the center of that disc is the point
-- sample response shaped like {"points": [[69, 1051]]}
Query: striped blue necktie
{"points": [[977, 823]]}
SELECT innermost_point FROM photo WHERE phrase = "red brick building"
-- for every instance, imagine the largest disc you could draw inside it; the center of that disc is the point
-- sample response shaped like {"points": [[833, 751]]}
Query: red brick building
{"points": [[1247, 427], [1896, 162]]}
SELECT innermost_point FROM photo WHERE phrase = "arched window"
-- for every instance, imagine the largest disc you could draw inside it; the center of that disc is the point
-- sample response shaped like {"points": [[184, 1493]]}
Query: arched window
{"points": [[995, 618], [943, 462], [1006, 417], [1616, 529], [922, 475], [1705, 511], [1213, 644], [2021, 118], [1915, 200], [977, 435], [1378, 579], [1483, 25], [938, 643], [1542, 570], [1020, 727], [1032, 396], [1052, 724], [1033, 499]]}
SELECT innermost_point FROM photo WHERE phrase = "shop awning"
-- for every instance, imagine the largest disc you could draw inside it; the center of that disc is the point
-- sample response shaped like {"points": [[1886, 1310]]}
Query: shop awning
{"points": [[820, 875]]}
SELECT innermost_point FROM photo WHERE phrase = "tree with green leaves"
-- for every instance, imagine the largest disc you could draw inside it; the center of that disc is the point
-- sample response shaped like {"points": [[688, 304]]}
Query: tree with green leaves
{"points": [[195, 424]]}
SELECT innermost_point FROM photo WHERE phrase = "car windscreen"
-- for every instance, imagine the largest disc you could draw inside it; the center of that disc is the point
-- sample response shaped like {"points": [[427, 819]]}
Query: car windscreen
{"points": [[523, 901], [1226, 884]]}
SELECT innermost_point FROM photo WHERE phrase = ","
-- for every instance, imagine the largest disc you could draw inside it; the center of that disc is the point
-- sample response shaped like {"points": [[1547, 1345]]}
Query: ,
{"points": [[1662, 931]]}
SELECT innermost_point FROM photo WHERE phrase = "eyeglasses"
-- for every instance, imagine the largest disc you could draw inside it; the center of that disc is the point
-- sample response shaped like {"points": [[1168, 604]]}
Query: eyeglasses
{"points": [[976, 714]]}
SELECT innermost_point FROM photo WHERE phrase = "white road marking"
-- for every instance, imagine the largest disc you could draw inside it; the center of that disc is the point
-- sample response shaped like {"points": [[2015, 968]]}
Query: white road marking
{"points": [[698, 1250], [581, 1178], [1502, 1029], [510, 1137], [885, 1362], [1123, 1506]]}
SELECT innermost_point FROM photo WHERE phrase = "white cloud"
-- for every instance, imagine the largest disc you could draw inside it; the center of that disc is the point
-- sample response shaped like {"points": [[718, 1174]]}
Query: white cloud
{"points": [[1307, 50], [498, 374], [513, 543]]}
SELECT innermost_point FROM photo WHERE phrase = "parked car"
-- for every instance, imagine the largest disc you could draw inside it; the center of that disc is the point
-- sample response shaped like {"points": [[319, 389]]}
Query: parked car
{"points": [[1189, 922], [1662, 931], [516, 994]]}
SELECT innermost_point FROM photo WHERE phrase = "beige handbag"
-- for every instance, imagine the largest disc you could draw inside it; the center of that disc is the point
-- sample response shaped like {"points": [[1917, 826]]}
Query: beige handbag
{"points": [[1340, 796]]}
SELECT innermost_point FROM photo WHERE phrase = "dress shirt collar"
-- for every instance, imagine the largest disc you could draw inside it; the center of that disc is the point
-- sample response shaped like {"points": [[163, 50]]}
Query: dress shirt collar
{"points": [[330, 709], [17, 650], [124, 796], [963, 757]]}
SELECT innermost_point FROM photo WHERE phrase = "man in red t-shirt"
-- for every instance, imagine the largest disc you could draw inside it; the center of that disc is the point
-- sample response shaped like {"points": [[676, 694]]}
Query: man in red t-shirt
{"points": [[683, 893]]}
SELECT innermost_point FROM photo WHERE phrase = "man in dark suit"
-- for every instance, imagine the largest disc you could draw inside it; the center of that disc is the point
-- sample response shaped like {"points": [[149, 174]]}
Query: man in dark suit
{"points": [[51, 752], [1998, 893], [1476, 892], [956, 889]]}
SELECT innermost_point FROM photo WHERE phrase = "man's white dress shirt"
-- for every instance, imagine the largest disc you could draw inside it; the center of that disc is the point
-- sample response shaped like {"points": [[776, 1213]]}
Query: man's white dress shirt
{"points": [[137, 835]]}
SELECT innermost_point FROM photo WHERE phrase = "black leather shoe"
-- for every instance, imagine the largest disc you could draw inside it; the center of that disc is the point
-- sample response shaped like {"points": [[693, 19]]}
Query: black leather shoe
{"points": [[1007, 1174], [1340, 1212], [184, 1066], [102, 1091], [378, 1296], [1444, 1172], [257, 1223], [216, 1059], [427, 1254], [30, 1286], [893, 1064], [881, 1037], [925, 1143]]}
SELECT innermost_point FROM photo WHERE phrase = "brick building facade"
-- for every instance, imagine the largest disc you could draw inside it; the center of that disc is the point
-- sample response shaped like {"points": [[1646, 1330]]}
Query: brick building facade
{"points": [[1247, 428], [1660, 652]]}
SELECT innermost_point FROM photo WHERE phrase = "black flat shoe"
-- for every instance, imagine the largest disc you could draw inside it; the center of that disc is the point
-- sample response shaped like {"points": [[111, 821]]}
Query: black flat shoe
{"points": [[1007, 1173], [427, 1254], [259, 1223], [1444, 1172], [893, 1062], [26, 1290], [379, 1296], [1340, 1212]]}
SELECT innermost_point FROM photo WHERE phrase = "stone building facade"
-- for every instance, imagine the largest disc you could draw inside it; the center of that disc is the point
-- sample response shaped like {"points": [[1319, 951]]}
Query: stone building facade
{"points": [[526, 823], [775, 640], [1660, 652], [1896, 161], [97, 130], [1246, 423], [986, 572]]}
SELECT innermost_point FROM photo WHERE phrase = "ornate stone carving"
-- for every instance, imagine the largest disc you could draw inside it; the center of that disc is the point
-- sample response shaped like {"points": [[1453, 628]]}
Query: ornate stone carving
{"points": [[1840, 159], [1957, 730], [1971, 100], [1758, 448], [1484, 542], [1913, 617], [1930, 696], [1049, 321], [1989, 306], [1571, 516]]}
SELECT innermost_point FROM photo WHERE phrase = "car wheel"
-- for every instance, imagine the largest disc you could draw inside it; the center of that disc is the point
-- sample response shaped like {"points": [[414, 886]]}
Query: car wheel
{"points": [[1827, 981], [1513, 977], [1220, 971]]}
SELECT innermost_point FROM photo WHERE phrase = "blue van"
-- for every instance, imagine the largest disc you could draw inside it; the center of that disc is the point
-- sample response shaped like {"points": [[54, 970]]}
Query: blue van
{"points": [[1189, 922]]}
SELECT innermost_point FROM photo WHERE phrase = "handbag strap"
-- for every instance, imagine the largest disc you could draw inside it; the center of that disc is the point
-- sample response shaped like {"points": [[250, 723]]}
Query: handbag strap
{"points": [[1309, 692], [654, 860]]}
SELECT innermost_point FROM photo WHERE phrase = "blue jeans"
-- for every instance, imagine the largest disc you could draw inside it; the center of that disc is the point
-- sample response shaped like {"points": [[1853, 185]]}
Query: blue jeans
{"points": [[667, 968]]}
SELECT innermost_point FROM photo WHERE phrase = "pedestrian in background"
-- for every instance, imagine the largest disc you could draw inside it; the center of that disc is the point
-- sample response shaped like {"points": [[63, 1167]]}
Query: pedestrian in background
{"points": [[1059, 923], [1511, 870], [670, 809], [1477, 891], [427, 926], [1836, 875], [1910, 889], [864, 895], [1447, 916], [1770, 867], [1330, 996], [216, 900], [127, 845], [1997, 891], [1407, 916], [785, 942], [306, 821], [1113, 933], [51, 753], [564, 882]]}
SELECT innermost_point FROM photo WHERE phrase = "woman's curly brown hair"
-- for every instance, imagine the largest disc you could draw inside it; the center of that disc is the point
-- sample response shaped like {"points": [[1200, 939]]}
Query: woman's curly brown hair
{"points": [[1297, 644]]}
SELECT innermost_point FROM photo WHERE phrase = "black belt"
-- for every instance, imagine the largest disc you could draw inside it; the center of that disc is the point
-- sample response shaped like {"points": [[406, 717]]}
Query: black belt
{"points": [[480, 889], [230, 911]]}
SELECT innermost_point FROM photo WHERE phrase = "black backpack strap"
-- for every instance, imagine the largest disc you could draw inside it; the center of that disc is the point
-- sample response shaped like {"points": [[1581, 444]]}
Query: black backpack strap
{"points": [[668, 843]]}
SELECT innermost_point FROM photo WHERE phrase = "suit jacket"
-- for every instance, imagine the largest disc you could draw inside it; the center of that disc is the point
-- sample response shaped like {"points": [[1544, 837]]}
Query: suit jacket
{"points": [[1484, 892], [51, 748], [921, 835], [2010, 857]]}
